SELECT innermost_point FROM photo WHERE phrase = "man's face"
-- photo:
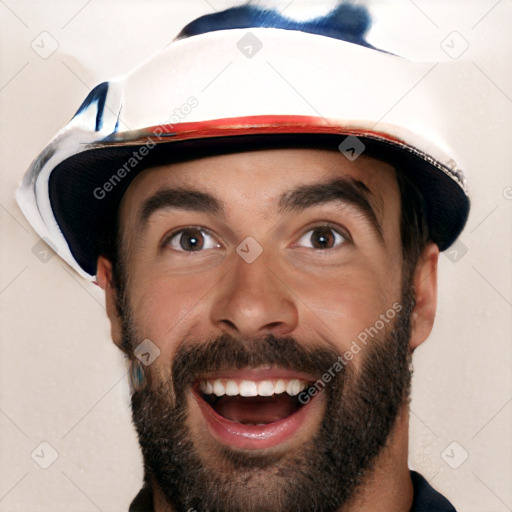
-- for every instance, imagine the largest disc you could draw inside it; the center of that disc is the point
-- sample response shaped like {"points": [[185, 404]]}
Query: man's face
{"points": [[257, 276]]}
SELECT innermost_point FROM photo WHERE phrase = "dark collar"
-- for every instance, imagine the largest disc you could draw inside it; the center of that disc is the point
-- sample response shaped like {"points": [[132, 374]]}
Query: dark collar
{"points": [[143, 502], [426, 499]]}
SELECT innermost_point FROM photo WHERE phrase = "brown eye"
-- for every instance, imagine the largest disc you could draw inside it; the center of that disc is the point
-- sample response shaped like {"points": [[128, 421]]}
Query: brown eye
{"points": [[322, 237], [191, 240]]}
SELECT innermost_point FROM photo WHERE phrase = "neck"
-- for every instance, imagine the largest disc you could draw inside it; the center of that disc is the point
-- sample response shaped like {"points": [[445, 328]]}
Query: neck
{"points": [[387, 488]]}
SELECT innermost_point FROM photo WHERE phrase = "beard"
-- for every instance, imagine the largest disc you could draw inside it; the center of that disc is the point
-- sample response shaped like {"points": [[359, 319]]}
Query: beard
{"points": [[323, 474]]}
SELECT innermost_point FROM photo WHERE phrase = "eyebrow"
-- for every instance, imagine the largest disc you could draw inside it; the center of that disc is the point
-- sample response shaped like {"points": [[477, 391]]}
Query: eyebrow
{"points": [[345, 190], [181, 199]]}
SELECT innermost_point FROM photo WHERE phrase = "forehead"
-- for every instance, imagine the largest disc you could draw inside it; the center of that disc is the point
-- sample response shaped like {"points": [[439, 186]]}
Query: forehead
{"points": [[262, 176]]}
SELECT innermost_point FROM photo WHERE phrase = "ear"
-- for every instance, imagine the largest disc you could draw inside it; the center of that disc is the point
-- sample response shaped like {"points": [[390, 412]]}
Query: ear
{"points": [[425, 293], [104, 279]]}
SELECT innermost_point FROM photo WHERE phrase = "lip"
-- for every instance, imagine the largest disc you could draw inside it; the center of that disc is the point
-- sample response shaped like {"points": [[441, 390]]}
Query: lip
{"points": [[258, 437]]}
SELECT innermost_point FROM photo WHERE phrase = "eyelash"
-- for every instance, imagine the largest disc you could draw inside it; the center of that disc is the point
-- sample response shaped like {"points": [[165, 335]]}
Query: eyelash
{"points": [[171, 235], [333, 227]]}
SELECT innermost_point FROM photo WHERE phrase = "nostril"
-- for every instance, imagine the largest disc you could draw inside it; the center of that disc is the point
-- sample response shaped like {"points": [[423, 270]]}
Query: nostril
{"points": [[273, 328], [230, 324]]}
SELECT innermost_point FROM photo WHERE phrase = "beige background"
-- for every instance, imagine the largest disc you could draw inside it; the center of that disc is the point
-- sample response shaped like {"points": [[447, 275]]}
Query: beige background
{"points": [[61, 379]]}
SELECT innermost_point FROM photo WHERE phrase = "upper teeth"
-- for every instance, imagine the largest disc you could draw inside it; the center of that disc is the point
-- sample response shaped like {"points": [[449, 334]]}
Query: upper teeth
{"points": [[230, 387]]}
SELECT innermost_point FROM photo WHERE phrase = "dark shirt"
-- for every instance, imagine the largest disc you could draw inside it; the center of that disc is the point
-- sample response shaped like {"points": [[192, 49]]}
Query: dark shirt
{"points": [[425, 499]]}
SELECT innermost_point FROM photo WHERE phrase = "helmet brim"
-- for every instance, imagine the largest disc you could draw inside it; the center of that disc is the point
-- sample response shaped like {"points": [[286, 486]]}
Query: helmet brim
{"points": [[85, 203]]}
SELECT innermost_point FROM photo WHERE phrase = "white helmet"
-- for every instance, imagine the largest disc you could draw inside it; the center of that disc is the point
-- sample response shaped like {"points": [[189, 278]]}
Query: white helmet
{"points": [[228, 86]]}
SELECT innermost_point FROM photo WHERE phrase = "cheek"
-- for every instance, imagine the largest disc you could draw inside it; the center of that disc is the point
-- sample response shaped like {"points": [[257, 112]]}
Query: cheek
{"points": [[345, 303], [167, 310]]}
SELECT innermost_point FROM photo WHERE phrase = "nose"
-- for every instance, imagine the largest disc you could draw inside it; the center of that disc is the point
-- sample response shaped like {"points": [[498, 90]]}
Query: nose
{"points": [[253, 300]]}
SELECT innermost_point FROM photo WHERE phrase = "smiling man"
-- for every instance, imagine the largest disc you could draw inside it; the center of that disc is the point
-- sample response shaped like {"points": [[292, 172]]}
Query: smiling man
{"points": [[267, 272]]}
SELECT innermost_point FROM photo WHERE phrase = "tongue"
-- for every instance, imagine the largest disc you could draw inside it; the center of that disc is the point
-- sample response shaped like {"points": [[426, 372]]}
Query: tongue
{"points": [[256, 410]]}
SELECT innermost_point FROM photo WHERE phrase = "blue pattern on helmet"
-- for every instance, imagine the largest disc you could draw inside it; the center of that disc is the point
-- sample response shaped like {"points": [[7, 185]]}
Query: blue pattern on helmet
{"points": [[347, 22], [98, 97]]}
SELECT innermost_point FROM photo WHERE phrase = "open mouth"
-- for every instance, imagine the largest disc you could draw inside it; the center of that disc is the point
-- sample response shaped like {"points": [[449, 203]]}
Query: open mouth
{"points": [[253, 403], [255, 409]]}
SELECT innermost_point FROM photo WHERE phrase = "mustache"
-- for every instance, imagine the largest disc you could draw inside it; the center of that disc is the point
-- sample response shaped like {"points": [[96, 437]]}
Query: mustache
{"points": [[227, 352]]}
